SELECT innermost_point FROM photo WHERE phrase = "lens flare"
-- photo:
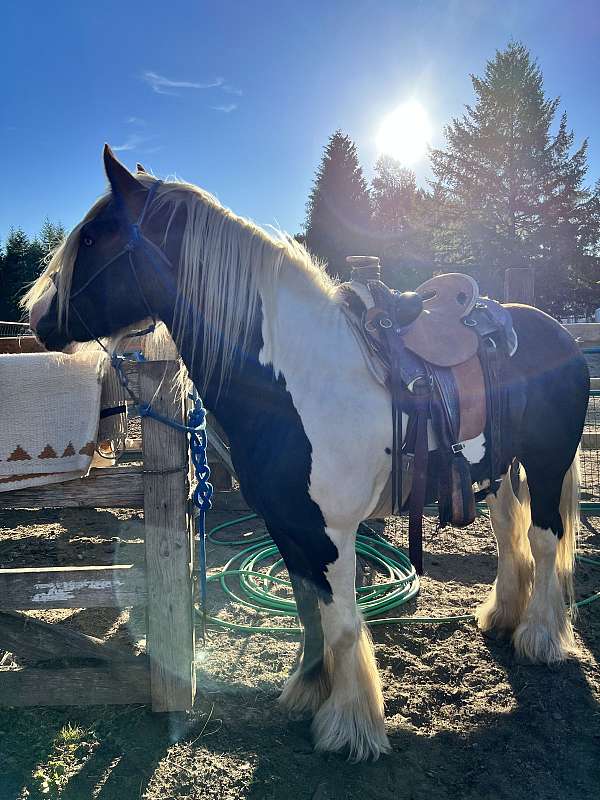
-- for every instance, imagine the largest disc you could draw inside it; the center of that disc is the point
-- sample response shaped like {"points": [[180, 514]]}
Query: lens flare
{"points": [[405, 133]]}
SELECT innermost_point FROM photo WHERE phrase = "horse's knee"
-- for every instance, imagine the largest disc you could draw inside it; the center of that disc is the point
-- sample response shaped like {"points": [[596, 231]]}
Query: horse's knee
{"points": [[341, 627], [347, 636], [543, 543]]}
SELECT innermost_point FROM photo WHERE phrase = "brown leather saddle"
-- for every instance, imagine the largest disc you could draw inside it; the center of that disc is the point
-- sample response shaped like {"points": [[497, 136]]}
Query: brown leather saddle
{"points": [[439, 336], [442, 348]]}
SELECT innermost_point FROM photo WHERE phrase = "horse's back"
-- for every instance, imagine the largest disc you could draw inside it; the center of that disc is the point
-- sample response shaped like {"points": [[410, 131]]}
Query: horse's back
{"points": [[556, 381], [540, 335]]}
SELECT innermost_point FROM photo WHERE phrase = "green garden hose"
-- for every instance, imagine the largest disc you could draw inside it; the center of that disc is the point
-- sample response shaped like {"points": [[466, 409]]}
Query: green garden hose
{"points": [[256, 589]]}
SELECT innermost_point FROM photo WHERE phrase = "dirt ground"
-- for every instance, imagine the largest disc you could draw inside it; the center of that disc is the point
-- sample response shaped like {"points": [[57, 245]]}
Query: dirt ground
{"points": [[465, 719]]}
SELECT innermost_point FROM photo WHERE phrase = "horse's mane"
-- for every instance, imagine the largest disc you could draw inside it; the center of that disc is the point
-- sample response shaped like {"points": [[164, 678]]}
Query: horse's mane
{"points": [[226, 263]]}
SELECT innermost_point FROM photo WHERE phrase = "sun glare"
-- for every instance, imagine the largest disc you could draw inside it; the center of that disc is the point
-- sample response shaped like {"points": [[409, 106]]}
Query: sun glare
{"points": [[405, 133]]}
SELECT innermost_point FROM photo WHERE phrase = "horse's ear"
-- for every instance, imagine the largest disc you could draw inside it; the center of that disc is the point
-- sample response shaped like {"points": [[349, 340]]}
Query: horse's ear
{"points": [[122, 182], [139, 168]]}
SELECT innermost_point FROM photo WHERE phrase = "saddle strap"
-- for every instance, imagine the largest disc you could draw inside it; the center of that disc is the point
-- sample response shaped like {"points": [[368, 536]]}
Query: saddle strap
{"points": [[456, 503], [497, 413], [419, 484]]}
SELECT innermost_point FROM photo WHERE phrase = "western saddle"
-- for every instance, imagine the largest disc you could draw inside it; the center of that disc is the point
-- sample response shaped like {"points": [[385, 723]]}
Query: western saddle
{"points": [[441, 351]]}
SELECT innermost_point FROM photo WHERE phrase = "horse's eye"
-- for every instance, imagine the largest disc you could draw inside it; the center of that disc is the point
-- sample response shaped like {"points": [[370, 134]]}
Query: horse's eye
{"points": [[88, 241]]}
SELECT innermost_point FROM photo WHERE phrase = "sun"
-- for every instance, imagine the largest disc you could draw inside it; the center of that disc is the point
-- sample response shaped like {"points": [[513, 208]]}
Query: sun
{"points": [[404, 134]]}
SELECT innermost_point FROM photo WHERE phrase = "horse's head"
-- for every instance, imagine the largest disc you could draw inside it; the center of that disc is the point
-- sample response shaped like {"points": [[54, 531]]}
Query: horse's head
{"points": [[168, 250], [110, 273]]}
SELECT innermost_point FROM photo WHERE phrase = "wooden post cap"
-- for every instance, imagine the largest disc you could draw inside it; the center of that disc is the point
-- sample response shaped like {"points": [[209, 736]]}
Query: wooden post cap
{"points": [[362, 261], [364, 268]]}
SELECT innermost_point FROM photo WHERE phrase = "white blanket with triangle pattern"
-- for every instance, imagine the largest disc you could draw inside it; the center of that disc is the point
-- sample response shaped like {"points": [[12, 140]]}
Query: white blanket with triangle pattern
{"points": [[49, 411]]}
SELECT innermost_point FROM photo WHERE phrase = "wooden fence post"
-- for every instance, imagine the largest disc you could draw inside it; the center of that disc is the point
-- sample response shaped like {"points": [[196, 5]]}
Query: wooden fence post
{"points": [[170, 610], [519, 285]]}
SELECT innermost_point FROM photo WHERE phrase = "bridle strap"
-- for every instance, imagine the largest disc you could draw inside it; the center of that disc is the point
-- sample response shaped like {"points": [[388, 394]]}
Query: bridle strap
{"points": [[136, 241], [157, 259]]}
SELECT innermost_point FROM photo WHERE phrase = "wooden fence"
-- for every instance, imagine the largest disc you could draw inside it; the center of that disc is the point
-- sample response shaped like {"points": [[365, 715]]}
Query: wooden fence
{"points": [[101, 672]]}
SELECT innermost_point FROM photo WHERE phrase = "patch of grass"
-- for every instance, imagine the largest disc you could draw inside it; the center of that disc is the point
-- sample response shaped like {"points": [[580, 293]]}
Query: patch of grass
{"points": [[70, 734], [71, 748]]}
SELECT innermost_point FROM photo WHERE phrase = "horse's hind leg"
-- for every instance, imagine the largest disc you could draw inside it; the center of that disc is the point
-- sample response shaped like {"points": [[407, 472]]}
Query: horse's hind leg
{"points": [[545, 634], [503, 608], [352, 718]]}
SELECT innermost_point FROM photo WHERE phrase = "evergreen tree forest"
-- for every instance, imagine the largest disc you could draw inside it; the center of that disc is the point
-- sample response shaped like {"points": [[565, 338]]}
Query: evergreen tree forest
{"points": [[21, 261], [508, 190]]}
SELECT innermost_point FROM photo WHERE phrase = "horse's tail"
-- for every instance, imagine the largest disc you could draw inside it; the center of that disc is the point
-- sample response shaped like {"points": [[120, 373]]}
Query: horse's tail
{"points": [[569, 512]]}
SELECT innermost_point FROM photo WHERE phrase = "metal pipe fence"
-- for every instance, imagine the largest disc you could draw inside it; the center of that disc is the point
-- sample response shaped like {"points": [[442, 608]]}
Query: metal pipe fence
{"points": [[10, 329]]}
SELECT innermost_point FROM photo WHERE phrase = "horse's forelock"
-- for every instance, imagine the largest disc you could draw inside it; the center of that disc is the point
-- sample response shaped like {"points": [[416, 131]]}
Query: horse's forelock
{"points": [[60, 262]]}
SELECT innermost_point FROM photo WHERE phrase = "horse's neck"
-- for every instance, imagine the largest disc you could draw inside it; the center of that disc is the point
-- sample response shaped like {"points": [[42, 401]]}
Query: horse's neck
{"points": [[297, 330], [302, 326]]}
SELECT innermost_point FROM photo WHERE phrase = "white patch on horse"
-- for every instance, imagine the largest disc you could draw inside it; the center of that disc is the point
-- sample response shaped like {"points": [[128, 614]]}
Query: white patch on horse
{"points": [[545, 634], [353, 715], [474, 450], [346, 414]]}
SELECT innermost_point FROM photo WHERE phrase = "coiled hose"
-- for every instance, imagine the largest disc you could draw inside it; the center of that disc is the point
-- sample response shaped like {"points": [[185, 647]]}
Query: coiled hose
{"points": [[255, 589]]}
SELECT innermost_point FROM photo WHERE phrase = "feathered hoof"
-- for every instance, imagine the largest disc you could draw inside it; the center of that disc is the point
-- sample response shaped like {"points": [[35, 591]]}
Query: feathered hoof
{"points": [[351, 730], [302, 697], [497, 620], [497, 635], [304, 693], [501, 612], [537, 643]]}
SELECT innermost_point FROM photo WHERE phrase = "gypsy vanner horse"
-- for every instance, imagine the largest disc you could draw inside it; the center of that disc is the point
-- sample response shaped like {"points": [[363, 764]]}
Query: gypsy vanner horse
{"points": [[259, 327]]}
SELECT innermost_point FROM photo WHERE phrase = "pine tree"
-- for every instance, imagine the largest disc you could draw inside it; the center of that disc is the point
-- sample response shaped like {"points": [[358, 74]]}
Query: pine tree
{"points": [[338, 212], [21, 262], [512, 194], [394, 194], [3, 284], [51, 235], [399, 231], [16, 251]]}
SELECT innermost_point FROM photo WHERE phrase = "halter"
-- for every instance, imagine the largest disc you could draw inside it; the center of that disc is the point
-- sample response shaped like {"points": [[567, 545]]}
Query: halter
{"points": [[136, 242]]}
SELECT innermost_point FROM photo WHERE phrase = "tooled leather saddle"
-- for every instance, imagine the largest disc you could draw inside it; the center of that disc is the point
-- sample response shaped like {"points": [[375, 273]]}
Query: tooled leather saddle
{"points": [[443, 351]]}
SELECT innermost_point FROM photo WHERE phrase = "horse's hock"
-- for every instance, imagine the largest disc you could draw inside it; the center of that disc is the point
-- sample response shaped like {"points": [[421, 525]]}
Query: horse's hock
{"points": [[164, 675]]}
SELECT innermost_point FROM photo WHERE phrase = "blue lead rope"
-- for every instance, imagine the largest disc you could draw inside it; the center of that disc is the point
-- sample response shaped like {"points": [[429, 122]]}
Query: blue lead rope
{"points": [[196, 422], [203, 491], [202, 495]]}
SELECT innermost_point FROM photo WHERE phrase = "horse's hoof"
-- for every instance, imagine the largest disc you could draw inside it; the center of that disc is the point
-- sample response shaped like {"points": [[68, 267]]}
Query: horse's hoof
{"points": [[496, 635]]}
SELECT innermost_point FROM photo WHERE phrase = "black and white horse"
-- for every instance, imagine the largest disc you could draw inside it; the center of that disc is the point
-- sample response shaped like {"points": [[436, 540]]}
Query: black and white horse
{"points": [[261, 331]]}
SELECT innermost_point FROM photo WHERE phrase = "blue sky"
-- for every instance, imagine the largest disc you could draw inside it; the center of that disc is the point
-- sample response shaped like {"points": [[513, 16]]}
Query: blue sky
{"points": [[240, 97]]}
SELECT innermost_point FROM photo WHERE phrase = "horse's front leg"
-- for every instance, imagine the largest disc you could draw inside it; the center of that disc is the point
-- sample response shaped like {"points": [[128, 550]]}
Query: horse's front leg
{"points": [[310, 684], [352, 718]]}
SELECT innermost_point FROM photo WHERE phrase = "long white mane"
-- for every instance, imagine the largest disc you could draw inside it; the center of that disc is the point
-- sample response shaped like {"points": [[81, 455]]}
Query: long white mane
{"points": [[226, 264]]}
